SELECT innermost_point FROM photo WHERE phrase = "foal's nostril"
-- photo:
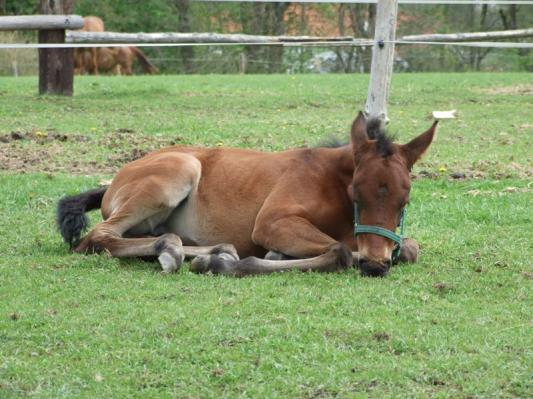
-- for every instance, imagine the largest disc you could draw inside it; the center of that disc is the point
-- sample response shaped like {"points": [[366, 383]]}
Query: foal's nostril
{"points": [[373, 269]]}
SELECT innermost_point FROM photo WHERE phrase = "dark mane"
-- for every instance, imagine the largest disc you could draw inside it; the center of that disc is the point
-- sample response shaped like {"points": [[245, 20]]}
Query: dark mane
{"points": [[374, 131], [384, 140], [331, 142]]}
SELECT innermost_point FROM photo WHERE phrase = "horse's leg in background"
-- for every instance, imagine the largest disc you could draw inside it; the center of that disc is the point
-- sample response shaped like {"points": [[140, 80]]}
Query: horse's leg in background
{"points": [[128, 70], [94, 60], [125, 59]]}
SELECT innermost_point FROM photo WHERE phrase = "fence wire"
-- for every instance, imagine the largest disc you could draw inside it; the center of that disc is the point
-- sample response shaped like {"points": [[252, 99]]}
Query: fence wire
{"points": [[431, 2], [492, 44]]}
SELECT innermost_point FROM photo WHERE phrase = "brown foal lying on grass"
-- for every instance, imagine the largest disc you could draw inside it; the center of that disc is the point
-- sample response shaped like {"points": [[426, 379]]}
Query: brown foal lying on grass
{"points": [[287, 210]]}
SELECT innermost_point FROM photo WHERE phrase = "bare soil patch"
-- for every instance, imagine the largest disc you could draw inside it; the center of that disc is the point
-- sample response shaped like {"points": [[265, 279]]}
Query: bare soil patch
{"points": [[52, 152], [518, 90]]}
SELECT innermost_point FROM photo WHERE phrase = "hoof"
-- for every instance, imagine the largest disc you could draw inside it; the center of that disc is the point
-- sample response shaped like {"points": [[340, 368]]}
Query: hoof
{"points": [[170, 261], [409, 251], [342, 258], [223, 263], [169, 253], [225, 249], [200, 264], [274, 255]]}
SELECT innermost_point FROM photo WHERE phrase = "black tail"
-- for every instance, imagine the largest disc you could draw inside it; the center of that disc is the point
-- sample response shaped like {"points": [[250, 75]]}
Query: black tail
{"points": [[71, 219]]}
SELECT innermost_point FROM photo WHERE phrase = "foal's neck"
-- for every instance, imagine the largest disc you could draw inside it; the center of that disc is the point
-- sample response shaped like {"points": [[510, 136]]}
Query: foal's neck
{"points": [[343, 158]]}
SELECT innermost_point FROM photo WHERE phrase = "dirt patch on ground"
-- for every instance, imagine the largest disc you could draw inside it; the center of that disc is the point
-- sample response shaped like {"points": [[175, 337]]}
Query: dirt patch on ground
{"points": [[52, 152], [39, 137], [518, 90], [478, 170], [500, 171]]}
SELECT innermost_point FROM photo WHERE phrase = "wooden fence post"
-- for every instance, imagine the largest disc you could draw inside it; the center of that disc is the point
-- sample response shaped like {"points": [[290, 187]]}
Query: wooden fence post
{"points": [[382, 59], [56, 65]]}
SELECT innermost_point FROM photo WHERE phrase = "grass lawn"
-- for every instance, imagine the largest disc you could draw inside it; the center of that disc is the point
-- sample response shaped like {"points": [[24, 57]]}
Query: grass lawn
{"points": [[457, 324]]}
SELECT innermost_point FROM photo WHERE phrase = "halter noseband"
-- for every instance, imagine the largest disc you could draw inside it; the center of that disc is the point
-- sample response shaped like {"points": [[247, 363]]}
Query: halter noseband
{"points": [[380, 231]]}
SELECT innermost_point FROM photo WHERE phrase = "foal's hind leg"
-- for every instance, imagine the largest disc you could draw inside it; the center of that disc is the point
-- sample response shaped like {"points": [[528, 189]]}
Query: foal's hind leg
{"points": [[107, 236], [142, 196]]}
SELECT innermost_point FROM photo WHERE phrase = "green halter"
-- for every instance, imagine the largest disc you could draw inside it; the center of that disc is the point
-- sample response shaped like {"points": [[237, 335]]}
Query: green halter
{"points": [[380, 231]]}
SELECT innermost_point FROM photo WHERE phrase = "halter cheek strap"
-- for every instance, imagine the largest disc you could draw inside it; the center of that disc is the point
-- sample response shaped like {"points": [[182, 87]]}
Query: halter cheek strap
{"points": [[380, 231]]}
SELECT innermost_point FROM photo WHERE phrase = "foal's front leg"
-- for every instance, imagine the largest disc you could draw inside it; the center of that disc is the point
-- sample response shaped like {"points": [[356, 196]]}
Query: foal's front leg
{"points": [[293, 236], [338, 257], [409, 251]]}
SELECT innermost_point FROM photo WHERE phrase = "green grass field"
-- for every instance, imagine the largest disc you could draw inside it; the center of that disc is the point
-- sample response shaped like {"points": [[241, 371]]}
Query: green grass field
{"points": [[457, 324]]}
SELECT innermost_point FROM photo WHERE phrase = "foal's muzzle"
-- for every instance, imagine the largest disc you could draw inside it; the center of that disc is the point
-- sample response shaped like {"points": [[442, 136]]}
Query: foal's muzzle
{"points": [[380, 231], [371, 268]]}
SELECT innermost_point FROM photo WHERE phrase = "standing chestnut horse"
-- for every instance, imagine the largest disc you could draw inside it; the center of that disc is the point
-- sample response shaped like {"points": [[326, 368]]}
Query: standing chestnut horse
{"points": [[86, 59], [117, 60], [294, 208]]}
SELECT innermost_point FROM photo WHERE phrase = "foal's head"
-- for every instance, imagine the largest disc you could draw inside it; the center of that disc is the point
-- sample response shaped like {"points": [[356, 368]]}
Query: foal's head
{"points": [[381, 184]]}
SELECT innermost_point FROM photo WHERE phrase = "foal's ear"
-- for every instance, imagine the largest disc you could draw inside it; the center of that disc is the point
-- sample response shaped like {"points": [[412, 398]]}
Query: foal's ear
{"points": [[414, 150], [358, 136]]}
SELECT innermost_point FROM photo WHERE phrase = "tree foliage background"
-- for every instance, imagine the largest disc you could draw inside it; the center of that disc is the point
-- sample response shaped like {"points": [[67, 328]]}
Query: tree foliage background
{"points": [[301, 19]]}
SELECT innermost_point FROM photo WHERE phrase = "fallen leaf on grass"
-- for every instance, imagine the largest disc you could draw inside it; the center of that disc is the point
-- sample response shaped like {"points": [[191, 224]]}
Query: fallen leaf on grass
{"points": [[507, 190], [218, 372], [474, 193], [381, 336], [442, 287], [458, 175]]}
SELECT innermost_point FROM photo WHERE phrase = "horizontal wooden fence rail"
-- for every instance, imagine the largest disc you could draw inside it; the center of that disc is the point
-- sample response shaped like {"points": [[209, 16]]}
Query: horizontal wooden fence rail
{"points": [[471, 36], [170, 37], [41, 22], [214, 38]]}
